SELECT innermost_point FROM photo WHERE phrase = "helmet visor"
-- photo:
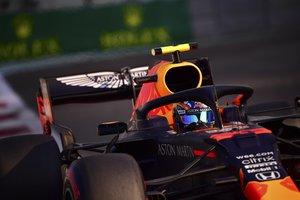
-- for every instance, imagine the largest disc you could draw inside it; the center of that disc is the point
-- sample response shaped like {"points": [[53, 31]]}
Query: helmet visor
{"points": [[204, 116], [187, 119]]}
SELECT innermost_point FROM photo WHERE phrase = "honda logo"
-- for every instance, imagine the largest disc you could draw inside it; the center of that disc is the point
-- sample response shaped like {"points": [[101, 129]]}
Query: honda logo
{"points": [[264, 176]]}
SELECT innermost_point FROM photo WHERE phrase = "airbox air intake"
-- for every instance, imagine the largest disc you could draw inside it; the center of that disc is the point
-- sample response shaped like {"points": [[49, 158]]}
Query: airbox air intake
{"points": [[182, 78], [176, 77]]}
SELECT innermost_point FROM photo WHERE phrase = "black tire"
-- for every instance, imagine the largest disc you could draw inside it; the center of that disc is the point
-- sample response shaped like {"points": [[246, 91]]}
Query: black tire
{"points": [[30, 168], [104, 177]]}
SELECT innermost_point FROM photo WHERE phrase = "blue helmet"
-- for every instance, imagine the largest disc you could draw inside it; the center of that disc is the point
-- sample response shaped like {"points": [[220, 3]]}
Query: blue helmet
{"points": [[190, 115]]}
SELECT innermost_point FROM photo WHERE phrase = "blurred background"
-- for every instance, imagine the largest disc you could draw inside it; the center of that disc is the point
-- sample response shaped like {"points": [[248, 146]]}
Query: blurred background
{"points": [[251, 42]]}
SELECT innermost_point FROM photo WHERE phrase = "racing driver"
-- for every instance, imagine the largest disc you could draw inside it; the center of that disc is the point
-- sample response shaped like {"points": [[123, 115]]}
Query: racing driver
{"points": [[192, 115]]}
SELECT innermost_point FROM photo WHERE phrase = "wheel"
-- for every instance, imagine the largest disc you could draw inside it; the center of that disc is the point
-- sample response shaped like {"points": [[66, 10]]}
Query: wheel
{"points": [[30, 168], [108, 176]]}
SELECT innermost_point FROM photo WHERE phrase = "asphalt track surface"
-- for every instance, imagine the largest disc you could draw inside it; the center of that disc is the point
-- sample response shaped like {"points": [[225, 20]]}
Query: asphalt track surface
{"points": [[269, 62]]}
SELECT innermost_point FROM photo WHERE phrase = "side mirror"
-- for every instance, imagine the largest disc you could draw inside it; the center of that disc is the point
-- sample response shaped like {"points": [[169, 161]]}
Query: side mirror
{"points": [[108, 128]]}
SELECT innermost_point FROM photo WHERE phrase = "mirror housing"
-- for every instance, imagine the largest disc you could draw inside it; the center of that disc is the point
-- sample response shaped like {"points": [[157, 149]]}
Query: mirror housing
{"points": [[109, 128]]}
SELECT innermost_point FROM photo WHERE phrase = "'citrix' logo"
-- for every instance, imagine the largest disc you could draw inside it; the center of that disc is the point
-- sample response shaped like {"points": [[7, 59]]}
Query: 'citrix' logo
{"points": [[258, 160]]}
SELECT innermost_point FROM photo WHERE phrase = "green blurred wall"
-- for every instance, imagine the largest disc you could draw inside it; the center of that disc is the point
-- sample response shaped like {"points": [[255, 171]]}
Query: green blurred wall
{"points": [[33, 35]]}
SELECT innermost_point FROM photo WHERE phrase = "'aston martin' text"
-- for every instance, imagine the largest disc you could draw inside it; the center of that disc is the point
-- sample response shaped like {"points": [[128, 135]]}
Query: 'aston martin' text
{"points": [[175, 150]]}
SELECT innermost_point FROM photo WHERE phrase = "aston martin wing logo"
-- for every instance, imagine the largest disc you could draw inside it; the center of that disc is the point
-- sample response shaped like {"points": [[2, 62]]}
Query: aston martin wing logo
{"points": [[95, 80], [103, 79]]}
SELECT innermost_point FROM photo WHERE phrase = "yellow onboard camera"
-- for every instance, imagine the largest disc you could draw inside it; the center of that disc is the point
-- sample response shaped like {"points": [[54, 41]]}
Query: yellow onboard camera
{"points": [[174, 50]]}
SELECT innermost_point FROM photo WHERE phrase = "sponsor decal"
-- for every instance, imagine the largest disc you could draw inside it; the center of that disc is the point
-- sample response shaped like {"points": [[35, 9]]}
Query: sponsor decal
{"points": [[261, 162], [181, 112], [175, 150], [264, 176], [261, 169], [103, 79], [255, 155]]}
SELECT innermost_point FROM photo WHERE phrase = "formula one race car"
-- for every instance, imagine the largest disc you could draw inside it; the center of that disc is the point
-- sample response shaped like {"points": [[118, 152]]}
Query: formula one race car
{"points": [[180, 142]]}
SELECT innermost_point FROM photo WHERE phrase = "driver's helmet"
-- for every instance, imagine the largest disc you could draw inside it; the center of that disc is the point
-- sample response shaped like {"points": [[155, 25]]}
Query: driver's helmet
{"points": [[190, 115]]}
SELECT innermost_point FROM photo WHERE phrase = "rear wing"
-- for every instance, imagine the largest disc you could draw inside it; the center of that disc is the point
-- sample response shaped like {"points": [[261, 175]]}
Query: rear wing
{"points": [[90, 87]]}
